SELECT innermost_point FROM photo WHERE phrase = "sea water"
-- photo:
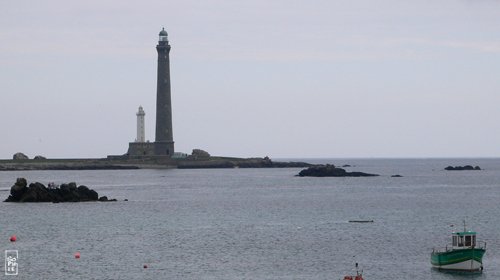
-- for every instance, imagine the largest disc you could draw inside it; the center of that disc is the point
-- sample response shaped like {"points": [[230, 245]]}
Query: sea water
{"points": [[255, 223]]}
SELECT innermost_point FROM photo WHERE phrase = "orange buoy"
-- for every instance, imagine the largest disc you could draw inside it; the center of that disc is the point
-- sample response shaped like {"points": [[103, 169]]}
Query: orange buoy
{"points": [[77, 255], [13, 238], [145, 266]]}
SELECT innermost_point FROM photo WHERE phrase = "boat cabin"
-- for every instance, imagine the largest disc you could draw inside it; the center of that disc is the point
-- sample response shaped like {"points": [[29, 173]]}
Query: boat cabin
{"points": [[463, 239]]}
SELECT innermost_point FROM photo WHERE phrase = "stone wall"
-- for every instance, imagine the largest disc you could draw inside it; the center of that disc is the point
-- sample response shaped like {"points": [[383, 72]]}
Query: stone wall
{"points": [[141, 149]]}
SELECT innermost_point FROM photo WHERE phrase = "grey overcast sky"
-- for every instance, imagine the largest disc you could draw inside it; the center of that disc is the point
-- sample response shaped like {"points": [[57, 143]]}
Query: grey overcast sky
{"points": [[283, 78]]}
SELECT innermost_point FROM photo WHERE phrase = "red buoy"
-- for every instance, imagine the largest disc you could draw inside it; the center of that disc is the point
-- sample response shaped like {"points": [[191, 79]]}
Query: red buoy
{"points": [[77, 255], [13, 238]]}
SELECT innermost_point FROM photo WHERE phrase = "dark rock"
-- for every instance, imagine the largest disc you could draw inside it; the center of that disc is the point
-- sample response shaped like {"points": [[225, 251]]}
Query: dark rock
{"points": [[330, 171], [18, 190], [346, 165], [64, 187], [105, 199], [37, 192], [72, 186], [19, 156], [39, 158], [87, 194], [359, 174], [461, 168], [21, 182], [198, 153]]}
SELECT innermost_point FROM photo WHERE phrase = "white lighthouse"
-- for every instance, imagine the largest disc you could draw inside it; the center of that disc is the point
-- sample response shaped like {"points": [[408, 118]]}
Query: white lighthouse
{"points": [[141, 135]]}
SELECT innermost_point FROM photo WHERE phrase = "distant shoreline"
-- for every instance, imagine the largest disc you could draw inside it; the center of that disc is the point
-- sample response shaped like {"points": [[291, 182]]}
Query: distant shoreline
{"points": [[119, 163]]}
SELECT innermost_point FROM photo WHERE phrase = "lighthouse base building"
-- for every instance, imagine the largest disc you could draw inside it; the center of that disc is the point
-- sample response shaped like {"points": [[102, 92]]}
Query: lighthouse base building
{"points": [[140, 149]]}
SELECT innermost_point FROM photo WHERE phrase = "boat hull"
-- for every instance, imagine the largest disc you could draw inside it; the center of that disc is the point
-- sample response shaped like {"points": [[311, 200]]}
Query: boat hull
{"points": [[462, 259]]}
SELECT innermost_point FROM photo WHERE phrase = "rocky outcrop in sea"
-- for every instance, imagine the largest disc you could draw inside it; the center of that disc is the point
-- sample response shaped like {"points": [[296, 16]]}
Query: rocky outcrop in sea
{"points": [[461, 168], [330, 170], [38, 192]]}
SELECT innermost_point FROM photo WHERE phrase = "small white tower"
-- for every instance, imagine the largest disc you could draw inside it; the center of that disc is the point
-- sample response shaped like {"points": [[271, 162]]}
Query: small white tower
{"points": [[140, 126]]}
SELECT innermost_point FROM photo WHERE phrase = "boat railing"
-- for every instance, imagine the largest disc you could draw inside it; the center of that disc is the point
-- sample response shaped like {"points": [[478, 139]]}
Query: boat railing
{"points": [[480, 245], [442, 249], [449, 247]]}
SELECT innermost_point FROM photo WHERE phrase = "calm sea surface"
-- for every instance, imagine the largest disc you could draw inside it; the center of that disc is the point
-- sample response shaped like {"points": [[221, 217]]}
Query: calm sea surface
{"points": [[255, 223]]}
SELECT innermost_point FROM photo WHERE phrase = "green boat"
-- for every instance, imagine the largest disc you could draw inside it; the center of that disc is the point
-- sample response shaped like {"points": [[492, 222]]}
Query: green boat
{"points": [[464, 254]]}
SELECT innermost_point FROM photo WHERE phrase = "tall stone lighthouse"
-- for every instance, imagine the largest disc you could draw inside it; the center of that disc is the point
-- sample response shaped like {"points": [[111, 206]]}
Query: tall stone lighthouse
{"points": [[164, 141]]}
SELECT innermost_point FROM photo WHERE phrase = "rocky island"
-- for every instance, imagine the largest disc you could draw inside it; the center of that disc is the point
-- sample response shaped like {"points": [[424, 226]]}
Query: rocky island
{"points": [[461, 168], [330, 170], [37, 192], [198, 159]]}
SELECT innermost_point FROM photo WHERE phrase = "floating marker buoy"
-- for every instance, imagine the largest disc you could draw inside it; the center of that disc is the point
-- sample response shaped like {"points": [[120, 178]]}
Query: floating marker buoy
{"points": [[13, 238], [77, 255], [145, 266]]}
